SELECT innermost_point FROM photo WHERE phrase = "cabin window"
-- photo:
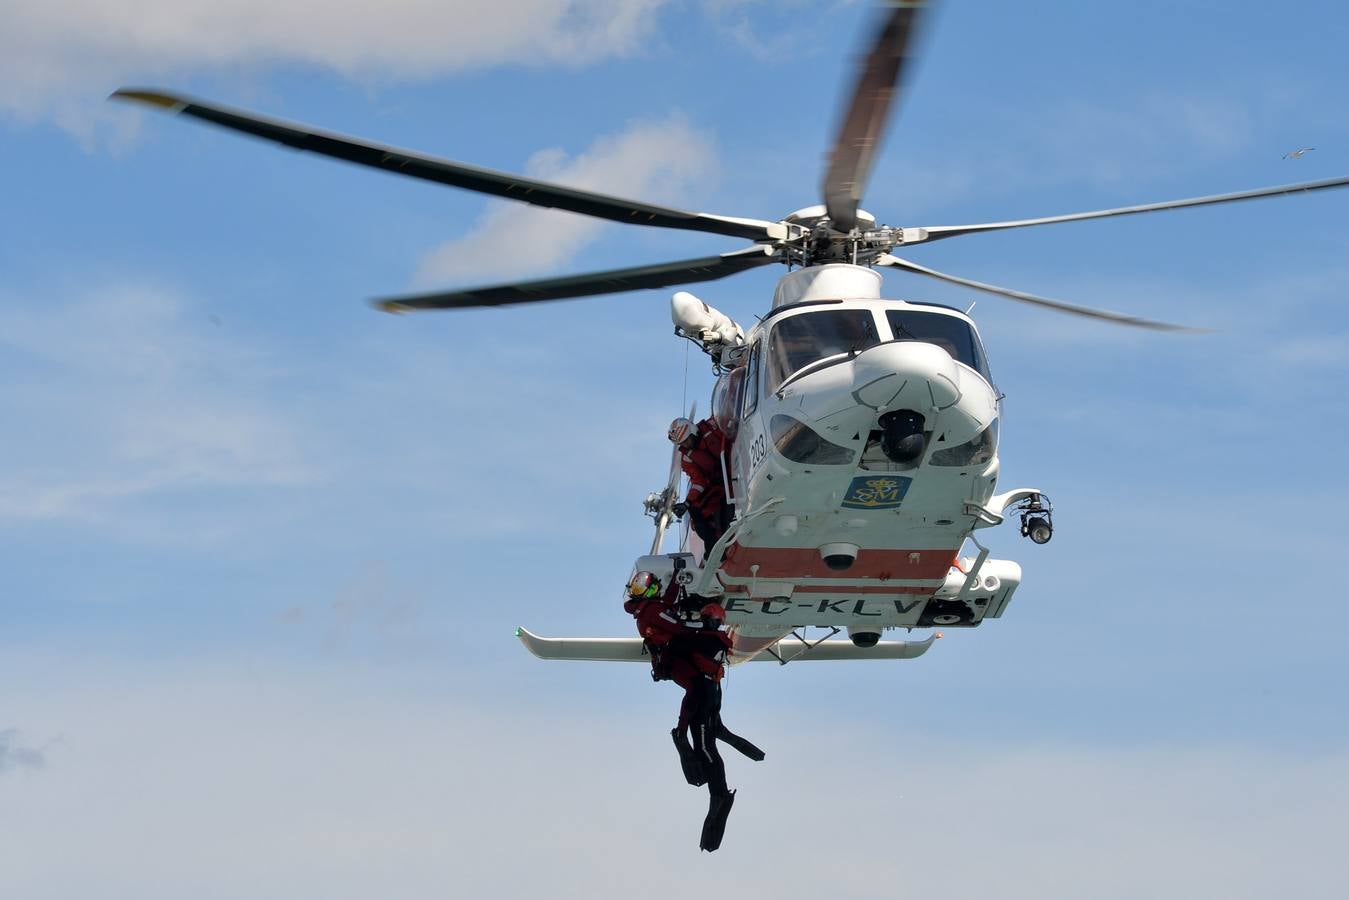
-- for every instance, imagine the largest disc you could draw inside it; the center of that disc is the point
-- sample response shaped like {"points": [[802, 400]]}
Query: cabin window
{"points": [[751, 385], [952, 334], [810, 337], [726, 401]]}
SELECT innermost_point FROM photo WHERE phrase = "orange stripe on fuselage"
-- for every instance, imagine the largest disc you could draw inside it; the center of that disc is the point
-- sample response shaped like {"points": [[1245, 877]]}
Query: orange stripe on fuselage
{"points": [[794, 563], [922, 590], [849, 589]]}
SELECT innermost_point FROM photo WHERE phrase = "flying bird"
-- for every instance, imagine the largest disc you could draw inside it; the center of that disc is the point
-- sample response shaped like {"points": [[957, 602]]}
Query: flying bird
{"points": [[1299, 153]]}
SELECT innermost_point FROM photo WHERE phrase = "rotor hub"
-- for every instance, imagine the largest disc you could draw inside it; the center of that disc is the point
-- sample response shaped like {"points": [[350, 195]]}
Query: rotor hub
{"points": [[812, 217]]}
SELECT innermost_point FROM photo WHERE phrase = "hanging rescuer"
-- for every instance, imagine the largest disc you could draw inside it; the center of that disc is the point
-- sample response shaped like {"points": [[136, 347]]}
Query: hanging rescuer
{"points": [[686, 638]]}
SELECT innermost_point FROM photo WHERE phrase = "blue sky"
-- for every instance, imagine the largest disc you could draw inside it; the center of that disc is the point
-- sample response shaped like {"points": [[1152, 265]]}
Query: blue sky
{"points": [[262, 548]]}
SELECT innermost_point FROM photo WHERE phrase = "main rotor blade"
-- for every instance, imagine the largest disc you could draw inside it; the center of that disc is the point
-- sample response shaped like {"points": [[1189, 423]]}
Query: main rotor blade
{"points": [[895, 262], [455, 174], [863, 125], [684, 271], [938, 232]]}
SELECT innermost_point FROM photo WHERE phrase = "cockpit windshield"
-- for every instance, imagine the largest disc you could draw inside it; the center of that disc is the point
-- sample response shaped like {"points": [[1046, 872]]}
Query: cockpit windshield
{"points": [[953, 335], [808, 337]]}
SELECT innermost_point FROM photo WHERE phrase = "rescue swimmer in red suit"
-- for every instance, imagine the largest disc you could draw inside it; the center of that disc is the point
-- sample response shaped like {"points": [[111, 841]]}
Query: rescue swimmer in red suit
{"points": [[687, 641], [700, 456]]}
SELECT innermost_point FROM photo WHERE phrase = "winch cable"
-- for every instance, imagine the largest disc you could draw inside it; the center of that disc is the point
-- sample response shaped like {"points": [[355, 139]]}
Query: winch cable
{"points": [[684, 401]]}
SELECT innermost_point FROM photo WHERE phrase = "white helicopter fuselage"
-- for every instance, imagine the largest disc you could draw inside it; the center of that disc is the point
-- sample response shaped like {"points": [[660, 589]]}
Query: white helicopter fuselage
{"points": [[835, 525]]}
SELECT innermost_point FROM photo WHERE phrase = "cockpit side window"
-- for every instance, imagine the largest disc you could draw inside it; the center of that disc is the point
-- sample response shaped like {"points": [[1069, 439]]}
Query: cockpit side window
{"points": [[953, 335], [727, 402], [751, 384], [808, 337]]}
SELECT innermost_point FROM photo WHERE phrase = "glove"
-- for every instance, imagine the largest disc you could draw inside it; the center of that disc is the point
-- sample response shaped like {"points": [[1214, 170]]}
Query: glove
{"points": [[679, 509]]}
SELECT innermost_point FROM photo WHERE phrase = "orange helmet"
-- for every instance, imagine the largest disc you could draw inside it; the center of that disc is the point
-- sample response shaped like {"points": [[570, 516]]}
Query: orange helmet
{"points": [[644, 585]]}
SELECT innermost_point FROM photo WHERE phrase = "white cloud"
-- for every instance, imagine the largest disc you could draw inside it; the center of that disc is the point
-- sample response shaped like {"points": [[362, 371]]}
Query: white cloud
{"points": [[61, 59], [785, 35], [122, 397], [1073, 143], [372, 604], [196, 779], [1114, 144], [654, 161], [134, 415]]}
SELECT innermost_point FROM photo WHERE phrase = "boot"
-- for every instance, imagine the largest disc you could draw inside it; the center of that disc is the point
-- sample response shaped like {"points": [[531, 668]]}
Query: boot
{"points": [[714, 826], [688, 760], [726, 736]]}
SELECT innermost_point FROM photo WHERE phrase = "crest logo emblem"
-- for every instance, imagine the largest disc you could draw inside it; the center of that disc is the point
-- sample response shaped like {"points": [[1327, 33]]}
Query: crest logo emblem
{"points": [[876, 492]]}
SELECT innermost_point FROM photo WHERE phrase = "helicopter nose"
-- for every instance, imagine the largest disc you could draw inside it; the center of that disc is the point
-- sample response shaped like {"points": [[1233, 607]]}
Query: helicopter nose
{"points": [[905, 375]]}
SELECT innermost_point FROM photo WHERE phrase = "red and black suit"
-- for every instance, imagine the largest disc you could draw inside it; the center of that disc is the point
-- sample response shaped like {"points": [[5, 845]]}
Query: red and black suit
{"points": [[700, 458], [690, 650]]}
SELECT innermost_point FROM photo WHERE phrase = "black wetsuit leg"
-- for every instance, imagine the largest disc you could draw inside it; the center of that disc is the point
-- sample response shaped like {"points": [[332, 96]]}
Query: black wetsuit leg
{"points": [[705, 721], [724, 519], [706, 725], [706, 530]]}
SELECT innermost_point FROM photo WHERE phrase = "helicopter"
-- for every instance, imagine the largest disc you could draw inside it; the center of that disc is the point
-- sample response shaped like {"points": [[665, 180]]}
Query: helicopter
{"points": [[863, 431]]}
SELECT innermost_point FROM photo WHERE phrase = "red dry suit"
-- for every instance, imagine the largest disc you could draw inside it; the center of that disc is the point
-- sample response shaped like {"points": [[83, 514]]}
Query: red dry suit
{"points": [[700, 459], [681, 649]]}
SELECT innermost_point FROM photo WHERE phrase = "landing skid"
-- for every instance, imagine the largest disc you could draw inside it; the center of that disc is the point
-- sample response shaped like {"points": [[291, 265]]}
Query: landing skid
{"points": [[632, 650]]}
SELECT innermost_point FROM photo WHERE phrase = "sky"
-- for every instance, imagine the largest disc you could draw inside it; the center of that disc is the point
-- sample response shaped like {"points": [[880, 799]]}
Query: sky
{"points": [[262, 548]]}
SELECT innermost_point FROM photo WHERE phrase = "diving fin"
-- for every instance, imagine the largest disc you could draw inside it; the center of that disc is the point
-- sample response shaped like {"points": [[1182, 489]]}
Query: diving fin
{"points": [[714, 826], [688, 760], [726, 736]]}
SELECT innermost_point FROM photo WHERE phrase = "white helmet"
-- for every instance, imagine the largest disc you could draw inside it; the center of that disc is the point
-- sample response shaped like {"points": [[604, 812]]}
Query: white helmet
{"points": [[679, 431]]}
